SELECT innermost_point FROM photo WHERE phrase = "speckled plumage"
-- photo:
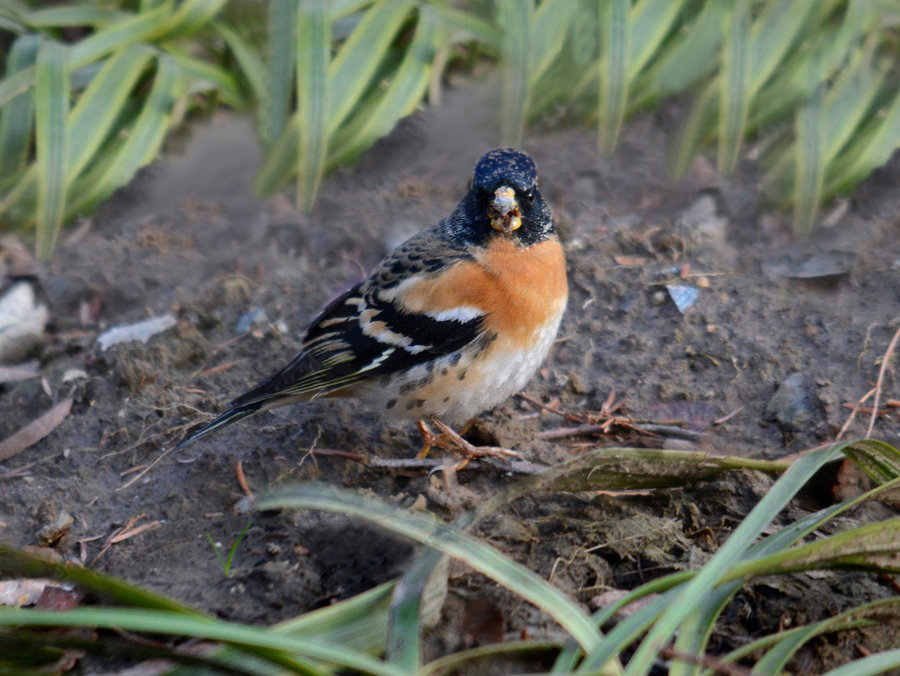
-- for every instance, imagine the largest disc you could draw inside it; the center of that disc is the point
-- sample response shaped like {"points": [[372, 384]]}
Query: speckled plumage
{"points": [[453, 322]]}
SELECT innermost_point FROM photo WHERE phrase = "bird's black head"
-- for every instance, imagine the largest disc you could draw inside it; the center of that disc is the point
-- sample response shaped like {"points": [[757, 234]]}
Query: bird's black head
{"points": [[505, 197]]}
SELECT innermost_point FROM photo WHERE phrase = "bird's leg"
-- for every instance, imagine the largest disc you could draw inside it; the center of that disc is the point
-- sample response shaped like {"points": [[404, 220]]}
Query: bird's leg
{"points": [[449, 440], [430, 439]]}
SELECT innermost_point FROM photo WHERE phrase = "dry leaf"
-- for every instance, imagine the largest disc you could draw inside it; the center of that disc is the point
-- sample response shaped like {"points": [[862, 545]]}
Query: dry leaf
{"points": [[36, 430]]}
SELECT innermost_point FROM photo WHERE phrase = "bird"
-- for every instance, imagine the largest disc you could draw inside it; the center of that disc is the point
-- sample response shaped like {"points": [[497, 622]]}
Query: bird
{"points": [[453, 322]]}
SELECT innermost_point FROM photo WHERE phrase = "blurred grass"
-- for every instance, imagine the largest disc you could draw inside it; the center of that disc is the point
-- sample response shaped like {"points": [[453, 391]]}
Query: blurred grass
{"points": [[811, 87], [379, 632]]}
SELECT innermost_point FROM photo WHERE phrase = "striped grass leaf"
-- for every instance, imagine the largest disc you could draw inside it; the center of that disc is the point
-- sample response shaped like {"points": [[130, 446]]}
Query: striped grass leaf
{"points": [[879, 663], [480, 660], [848, 103], [143, 140], [828, 44], [297, 654], [873, 146], [686, 59], [735, 91], [515, 22], [141, 27], [94, 114], [694, 633], [695, 131], [17, 116], [280, 65], [189, 16], [313, 97], [374, 119], [614, 70], [430, 532], [649, 23], [777, 30], [361, 55], [404, 635], [691, 595], [552, 21], [11, 18], [782, 646], [129, 31], [204, 77], [809, 163], [55, 17], [466, 23], [51, 102], [248, 60], [281, 160], [875, 546], [359, 622]]}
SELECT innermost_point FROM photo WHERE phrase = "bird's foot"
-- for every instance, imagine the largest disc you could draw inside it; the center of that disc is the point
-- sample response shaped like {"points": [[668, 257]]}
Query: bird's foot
{"points": [[450, 440]]}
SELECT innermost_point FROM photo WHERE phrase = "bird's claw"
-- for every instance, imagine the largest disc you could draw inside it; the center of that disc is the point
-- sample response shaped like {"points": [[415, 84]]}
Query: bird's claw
{"points": [[450, 440]]}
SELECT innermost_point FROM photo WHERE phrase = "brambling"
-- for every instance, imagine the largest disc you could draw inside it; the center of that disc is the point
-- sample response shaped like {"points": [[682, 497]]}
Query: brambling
{"points": [[454, 321]]}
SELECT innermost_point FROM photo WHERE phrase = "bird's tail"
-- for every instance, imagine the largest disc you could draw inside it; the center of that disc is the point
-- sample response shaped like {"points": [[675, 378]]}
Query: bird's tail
{"points": [[230, 416]]}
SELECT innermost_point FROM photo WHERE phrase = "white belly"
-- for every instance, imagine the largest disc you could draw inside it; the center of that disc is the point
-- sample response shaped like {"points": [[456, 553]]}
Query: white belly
{"points": [[459, 387]]}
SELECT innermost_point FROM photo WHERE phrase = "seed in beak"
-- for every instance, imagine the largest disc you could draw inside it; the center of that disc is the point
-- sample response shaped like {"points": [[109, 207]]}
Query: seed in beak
{"points": [[504, 214]]}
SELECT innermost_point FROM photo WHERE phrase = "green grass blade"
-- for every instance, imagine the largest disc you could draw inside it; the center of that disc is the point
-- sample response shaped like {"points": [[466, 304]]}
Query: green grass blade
{"points": [[514, 18], [141, 28], [614, 68], [809, 163], [17, 116], [731, 553], [281, 61], [55, 17], [826, 45], [734, 83], [466, 23], [401, 97], [360, 57], [625, 633], [849, 99], [879, 663], [101, 103], [12, 17], [875, 546], [17, 563], [773, 34], [281, 161], [248, 60], [296, 650], [51, 102], [204, 77], [359, 622], [313, 97], [879, 460], [190, 16], [696, 129], [13, 85], [433, 533], [787, 643], [873, 146], [687, 58], [144, 138], [650, 22], [553, 19], [404, 637]]}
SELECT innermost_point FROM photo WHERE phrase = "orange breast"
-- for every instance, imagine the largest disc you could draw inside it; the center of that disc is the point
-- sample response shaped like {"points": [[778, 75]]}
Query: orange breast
{"points": [[519, 289]]}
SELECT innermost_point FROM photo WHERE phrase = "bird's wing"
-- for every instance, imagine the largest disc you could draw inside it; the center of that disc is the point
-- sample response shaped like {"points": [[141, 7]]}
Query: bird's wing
{"points": [[372, 330]]}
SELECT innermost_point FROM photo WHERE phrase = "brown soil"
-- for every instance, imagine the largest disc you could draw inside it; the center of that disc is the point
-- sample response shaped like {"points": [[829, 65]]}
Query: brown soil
{"points": [[190, 238]]}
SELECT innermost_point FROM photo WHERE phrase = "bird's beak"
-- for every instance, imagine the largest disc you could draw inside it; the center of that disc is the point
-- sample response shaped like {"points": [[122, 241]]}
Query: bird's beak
{"points": [[505, 215]]}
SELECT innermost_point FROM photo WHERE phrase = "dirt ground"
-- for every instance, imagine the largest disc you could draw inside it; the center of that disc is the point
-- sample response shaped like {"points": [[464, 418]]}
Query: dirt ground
{"points": [[190, 238]]}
